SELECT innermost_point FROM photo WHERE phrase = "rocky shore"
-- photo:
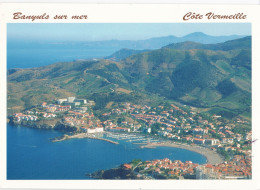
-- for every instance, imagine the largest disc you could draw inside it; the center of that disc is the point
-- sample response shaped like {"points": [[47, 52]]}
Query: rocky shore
{"points": [[44, 124], [115, 173]]}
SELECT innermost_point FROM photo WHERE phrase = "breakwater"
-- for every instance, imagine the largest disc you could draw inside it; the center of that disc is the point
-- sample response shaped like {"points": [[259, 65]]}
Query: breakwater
{"points": [[81, 135]]}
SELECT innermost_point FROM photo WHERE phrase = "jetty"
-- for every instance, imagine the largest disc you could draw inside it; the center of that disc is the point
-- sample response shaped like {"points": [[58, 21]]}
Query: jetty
{"points": [[147, 147], [98, 138], [81, 135]]}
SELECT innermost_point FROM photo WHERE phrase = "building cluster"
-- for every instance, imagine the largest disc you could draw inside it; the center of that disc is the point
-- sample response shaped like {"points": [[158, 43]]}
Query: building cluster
{"points": [[65, 104], [71, 101], [169, 168], [71, 112], [83, 121], [169, 122], [179, 125], [124, 126], [240, 167], [23, 117], [237, 168]]}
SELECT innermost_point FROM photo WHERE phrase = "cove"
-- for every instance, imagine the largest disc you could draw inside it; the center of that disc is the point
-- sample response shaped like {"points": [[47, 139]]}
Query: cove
{"points": [[31, 155]]}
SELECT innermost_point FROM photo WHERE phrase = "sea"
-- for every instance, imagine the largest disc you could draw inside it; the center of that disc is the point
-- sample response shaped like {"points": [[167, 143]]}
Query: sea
{"points": [[23, 54], [31, 155]]}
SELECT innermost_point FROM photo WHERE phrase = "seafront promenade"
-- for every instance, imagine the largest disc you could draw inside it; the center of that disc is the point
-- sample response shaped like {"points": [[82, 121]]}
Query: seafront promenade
{"points": [[212, 156]]}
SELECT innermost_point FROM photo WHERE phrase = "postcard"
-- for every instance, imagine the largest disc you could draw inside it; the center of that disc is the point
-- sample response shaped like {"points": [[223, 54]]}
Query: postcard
{"points": [[129, 96]]}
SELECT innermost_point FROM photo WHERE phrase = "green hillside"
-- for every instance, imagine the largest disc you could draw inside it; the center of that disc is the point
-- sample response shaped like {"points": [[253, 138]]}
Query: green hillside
{"points": [[213, 76]]}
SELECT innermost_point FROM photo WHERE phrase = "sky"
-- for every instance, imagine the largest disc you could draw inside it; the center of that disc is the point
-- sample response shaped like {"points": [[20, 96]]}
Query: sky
{"points": [[119, 31]]}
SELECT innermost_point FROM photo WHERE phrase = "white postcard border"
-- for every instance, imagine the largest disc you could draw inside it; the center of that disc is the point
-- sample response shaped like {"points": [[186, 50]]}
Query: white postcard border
{"points": [[132, 13]]}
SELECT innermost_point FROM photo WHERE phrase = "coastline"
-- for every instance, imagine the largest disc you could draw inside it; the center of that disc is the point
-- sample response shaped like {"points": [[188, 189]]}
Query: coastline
{"points": [[212, 156], [53, 124]]}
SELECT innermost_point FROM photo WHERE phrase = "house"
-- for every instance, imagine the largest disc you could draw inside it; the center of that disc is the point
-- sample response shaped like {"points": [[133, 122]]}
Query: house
{"points": [[44, 104], [198, 141], [168, 129], [199, 131], [64, 108], [212, 141], [127, 166], [227, 140], [51, 109]]}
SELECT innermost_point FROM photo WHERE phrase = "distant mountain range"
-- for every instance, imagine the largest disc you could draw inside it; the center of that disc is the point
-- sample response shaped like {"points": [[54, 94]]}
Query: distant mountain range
{"points": [[152, 43], [24, 53], [156, 43], [214, 77]]}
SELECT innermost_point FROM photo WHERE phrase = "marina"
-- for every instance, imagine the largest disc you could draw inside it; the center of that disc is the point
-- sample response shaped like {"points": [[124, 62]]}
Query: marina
{"points": [[114, 138], [132, 138]]}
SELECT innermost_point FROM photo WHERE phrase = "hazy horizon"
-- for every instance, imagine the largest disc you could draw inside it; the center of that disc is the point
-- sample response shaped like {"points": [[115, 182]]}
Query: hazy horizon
{"points": [[57, 32]]}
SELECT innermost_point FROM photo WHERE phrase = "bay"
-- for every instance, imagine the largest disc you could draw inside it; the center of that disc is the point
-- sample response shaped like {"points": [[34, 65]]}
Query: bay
{"points": [[31, 155]]}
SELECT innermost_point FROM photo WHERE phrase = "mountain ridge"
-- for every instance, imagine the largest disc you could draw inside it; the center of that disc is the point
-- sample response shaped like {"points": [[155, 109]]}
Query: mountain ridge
{"points": [[219, 80]]}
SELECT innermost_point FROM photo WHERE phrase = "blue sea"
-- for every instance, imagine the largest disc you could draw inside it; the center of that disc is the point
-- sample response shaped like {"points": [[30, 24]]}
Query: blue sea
{"points": [[31, 155], [23, 54]]}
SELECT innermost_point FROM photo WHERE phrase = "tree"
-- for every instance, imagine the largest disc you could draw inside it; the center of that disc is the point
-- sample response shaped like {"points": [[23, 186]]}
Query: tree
{"points": [[120, 120], [155, 128]]}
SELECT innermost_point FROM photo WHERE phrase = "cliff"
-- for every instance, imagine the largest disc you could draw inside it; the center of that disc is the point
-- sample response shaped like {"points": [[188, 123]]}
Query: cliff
{"points": [[116, 173], [44, 124]]}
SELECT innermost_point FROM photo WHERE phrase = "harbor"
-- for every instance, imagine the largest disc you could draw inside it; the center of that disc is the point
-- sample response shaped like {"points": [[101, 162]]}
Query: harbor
{"points": [[110, 137], [137, 139], [144, 142]]}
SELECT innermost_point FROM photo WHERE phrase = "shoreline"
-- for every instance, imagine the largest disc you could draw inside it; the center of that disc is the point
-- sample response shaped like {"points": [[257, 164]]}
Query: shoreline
{"points": [[211, 156]]}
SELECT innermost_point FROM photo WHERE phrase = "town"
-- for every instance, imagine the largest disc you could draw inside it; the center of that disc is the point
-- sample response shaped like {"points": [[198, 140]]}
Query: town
{"points": [[239, 167], [231, 139]]}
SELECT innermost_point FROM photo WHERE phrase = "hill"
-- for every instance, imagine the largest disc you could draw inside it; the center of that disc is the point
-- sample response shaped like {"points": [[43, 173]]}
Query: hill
{"points": [[242, 43], [213, 76], [124, 53]]}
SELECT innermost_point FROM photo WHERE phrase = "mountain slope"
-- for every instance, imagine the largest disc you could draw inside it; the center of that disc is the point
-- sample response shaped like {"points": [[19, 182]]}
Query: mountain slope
{"points": [[242, 43], [197, 74], [216, 78], [124, 53]]}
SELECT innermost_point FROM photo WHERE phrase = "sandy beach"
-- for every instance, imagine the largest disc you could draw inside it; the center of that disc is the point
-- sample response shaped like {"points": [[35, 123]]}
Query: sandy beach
{"points": [[212, 156]]}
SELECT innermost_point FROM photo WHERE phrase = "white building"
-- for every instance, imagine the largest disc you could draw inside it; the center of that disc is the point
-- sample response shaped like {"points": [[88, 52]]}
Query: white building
{"points": [[95, 130], [71, 99], [82, 101], [60, 101]]}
